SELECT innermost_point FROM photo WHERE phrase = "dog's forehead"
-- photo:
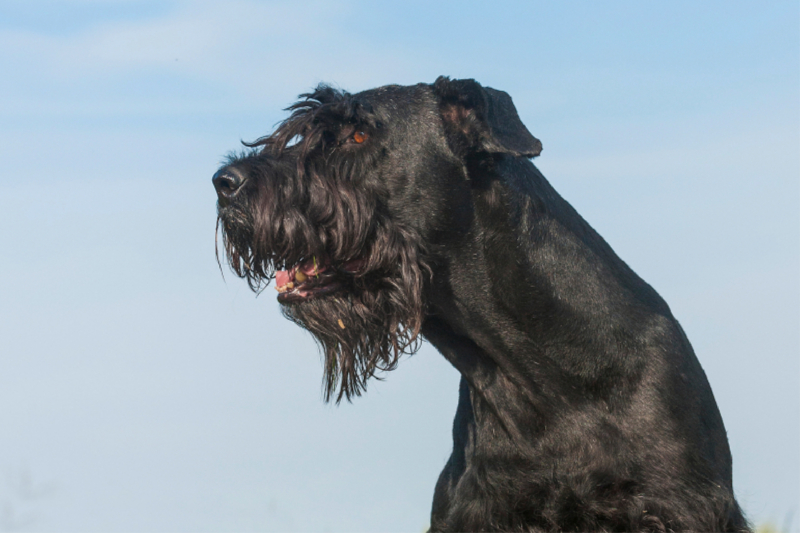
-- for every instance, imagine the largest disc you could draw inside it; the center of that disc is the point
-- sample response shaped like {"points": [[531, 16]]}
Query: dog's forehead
{"points": [[395, 99], [402, 111]]}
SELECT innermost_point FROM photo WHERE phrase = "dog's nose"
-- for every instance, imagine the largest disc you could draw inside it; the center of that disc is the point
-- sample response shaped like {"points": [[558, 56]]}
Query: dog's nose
{"points": [[227, 181]]}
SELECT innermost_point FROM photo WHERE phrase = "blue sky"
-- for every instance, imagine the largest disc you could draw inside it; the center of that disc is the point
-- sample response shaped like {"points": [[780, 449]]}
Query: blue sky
{"points": [[141, 391]]}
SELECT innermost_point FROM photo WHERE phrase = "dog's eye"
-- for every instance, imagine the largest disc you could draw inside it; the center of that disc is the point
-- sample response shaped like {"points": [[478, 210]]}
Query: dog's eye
{"points": [[359, 137]]}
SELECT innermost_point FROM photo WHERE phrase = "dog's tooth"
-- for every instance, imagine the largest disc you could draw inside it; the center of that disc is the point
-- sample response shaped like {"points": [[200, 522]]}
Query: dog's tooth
{"points": [[341, 324], [299, 276]]}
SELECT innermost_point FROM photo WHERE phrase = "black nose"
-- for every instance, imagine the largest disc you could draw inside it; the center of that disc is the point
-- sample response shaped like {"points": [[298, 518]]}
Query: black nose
{"points": [[227, 181]]}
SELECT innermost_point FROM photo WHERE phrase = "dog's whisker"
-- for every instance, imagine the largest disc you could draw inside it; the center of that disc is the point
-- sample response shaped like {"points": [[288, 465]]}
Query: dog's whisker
{"points": [[216, 248]]}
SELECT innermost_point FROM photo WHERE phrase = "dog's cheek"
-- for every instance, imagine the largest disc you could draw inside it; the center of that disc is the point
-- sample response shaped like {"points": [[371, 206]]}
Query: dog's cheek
{"points": [[433, 199]]}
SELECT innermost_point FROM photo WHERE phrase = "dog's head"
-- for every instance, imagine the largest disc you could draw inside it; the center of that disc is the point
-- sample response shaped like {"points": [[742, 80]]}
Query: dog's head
{"points": [[347, 204]]}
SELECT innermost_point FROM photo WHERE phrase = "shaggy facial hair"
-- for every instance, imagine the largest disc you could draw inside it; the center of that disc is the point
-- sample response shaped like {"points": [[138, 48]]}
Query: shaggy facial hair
{"points": [[304, 203]]}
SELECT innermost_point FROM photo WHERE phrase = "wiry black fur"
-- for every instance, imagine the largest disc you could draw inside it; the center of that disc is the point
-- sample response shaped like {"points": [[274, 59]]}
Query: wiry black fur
{"points": [[582, 406], [322, 207]]}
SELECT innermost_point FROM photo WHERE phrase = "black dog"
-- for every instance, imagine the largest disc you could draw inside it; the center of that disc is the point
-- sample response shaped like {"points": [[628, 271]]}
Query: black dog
{"points": [[403, 211]]}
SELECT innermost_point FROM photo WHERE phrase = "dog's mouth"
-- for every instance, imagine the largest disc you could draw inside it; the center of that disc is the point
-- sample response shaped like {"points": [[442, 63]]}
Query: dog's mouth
{"points": [[313, 279]]}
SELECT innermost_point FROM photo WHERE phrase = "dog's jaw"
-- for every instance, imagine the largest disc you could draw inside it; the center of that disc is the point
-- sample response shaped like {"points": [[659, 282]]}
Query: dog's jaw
{"points": [[312, 279]]}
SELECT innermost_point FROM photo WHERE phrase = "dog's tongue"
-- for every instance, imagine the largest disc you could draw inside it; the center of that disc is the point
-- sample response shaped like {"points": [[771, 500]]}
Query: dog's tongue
{"points": [[282, 277]]}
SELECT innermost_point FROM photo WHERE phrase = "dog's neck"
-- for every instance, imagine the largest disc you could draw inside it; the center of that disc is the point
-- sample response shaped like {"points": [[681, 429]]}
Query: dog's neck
{"points": [[575, 294]]}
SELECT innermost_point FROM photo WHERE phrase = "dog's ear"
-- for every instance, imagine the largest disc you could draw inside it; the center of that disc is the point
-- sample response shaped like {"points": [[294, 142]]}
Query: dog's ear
{"points": [[482, 119]]}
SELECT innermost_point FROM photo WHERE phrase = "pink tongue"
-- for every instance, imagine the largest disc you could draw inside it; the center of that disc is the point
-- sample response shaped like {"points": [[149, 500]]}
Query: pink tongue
{"points": [[282, 278]]}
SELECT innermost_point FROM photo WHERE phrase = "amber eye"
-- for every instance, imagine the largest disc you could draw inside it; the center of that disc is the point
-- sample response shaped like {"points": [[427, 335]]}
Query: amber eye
{"points": [[359, 137]]}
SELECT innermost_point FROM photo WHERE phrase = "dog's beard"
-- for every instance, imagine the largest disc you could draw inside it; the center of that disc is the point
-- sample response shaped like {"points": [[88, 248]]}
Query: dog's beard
{"points": [[361, 329]]}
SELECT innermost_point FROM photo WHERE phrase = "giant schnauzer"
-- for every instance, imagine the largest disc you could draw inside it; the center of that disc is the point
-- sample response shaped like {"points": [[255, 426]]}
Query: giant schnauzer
{"points": [[407, 212]]}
